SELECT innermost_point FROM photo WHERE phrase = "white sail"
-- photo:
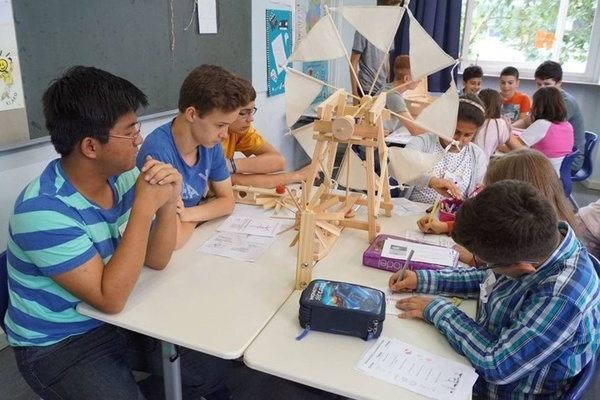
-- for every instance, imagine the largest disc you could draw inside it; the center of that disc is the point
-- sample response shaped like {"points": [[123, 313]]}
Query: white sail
{"points": [[408, 164], [321, 43], [304, 137], [426, 56], [300, 91], [378, 24], [440, 116], [356, 178]]}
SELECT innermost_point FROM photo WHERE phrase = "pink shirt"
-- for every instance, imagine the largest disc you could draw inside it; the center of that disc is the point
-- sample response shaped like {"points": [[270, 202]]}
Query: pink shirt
{"points": [[554, 139]]}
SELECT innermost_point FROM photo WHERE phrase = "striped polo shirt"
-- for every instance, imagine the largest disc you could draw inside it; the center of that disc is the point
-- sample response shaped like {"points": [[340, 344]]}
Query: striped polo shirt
{"points": [[54, 229]]}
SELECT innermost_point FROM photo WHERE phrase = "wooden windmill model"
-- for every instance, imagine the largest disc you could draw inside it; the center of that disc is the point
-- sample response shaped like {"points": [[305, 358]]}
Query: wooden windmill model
{"points": [[320, 217]]}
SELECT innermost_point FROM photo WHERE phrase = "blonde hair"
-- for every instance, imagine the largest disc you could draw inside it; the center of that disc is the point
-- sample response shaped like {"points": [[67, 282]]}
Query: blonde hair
{"points": [[531, 166]]}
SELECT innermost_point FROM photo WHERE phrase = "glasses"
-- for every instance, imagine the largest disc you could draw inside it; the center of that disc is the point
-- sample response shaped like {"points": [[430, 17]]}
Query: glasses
{"points": [[483, 266], [137, 129], [245, 113]]}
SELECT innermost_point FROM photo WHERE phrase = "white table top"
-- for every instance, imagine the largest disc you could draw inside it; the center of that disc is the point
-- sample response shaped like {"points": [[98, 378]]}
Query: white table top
{"points": [[325, 360], [400, 136], [212, 304]]}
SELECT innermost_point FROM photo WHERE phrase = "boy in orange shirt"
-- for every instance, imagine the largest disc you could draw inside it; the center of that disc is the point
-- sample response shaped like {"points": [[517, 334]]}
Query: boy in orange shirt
{"points": [[263, 164], [515, 105]]}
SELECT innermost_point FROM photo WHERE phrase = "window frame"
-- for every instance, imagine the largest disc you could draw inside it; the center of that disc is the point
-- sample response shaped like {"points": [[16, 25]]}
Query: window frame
{"points": [[591, 75]]}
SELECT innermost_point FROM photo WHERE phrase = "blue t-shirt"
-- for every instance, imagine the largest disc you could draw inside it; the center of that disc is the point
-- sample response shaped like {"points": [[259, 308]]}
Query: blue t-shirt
{"points": [[210, 166], [55, 229]]}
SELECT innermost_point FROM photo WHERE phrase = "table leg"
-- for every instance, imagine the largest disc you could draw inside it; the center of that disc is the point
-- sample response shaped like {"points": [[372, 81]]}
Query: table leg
{"points": [[171, 371]]}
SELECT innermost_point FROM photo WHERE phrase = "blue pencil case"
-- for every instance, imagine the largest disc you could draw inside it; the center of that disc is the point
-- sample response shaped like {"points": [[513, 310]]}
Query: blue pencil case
{"points": [[342, 308]]}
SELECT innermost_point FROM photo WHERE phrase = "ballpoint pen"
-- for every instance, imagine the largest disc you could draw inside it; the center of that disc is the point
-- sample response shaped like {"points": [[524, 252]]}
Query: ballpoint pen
{"points": [[403, 270]]}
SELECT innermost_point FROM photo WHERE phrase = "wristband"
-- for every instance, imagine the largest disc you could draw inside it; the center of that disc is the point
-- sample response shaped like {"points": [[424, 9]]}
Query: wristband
{"points": [[233, 167]]}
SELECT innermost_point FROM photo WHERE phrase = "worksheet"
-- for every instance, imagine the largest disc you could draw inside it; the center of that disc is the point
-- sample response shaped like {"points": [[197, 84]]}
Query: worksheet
{"points": [[238, 246], [407, 366], [237, 223]]}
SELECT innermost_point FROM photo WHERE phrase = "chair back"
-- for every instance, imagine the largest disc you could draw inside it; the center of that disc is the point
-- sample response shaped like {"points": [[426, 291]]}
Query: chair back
{"points": [[585, 377], [565, 172], [3, 289], [588, 162], [582, 381]]}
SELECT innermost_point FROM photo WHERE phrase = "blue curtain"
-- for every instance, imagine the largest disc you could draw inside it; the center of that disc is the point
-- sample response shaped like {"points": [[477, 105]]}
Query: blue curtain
{"points": [[441, 19]]}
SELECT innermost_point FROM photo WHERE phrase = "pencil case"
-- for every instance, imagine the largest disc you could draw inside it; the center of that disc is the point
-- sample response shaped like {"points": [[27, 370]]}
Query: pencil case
{"points": [[342, 308], [372, 257]]}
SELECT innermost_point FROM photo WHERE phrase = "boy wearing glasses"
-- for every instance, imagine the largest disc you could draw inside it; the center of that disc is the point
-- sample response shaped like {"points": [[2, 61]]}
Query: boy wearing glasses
{"points": [[262, 164], [538, 319], [210, 99], [82, 231]]}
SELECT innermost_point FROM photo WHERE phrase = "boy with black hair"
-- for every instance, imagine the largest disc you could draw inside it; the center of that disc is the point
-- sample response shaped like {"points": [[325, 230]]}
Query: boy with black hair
{"points": [[515, 104], [210, 100], [549, 73], [82, 232], [538, 320], [471, 78]]}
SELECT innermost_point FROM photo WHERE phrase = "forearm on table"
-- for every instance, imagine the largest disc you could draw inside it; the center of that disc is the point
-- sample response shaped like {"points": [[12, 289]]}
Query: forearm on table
{"points": [[267, 181], [162, 238], [262, 164], [462, 282]]}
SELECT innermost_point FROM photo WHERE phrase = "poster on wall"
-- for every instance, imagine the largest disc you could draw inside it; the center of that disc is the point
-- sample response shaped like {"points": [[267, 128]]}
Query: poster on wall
{"points": [[11, 87], [279, 48], [308, 13]]}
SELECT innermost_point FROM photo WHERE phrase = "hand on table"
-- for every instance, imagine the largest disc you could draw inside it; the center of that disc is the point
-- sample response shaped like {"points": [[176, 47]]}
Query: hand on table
{"points": [[413, 307]]}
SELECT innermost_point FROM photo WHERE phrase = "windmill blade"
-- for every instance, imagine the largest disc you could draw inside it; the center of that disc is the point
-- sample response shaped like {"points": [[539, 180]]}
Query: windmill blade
{"points": [[426, 56], [326, 204], [351, 173], [407, 164], [304, 137], [378, 24], [295, 239], [321, 43], [337, 231], [440, 116], [300, 91]]}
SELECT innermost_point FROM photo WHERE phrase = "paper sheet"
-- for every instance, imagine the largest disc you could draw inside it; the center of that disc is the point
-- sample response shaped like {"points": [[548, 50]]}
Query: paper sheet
{"points": [[403, 207], [398, 249], [237, 246], [414, 369], [438, 240], [237, 223], [207, 16]]}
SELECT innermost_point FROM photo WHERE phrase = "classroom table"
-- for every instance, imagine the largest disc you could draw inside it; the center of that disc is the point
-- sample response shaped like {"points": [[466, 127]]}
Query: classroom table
{"points": [[207, 303], [219, 306], [325, 360]]}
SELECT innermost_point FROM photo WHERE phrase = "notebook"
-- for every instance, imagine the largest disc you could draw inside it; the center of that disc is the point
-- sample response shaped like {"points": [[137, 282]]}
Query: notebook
{"points": [[389, 253]]}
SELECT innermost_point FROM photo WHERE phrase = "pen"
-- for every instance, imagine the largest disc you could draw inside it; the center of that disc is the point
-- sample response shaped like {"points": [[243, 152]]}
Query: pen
{"points": [[433, 210], [403, 270]]}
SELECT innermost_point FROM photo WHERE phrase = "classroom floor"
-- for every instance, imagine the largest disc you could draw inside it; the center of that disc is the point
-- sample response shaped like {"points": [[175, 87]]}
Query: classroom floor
{"points": [[246, 383]]}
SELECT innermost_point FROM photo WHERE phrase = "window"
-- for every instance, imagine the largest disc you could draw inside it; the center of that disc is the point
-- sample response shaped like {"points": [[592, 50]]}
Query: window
{"points": [[523, 33]]}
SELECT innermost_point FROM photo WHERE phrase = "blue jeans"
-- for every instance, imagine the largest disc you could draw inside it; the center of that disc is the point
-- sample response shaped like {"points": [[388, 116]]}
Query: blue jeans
{"points": [[98, 365]]}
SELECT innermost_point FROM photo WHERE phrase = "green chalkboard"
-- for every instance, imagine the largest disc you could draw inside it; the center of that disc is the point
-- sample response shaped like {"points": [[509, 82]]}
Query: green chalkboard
{"points": [[143, 41]]}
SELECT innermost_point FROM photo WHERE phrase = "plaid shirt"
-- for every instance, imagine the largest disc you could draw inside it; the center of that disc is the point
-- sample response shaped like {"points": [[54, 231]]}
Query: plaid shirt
{"points": [[534, 333]]}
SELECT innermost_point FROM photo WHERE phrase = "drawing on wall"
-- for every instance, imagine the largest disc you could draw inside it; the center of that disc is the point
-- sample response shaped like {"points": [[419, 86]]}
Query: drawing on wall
{"points": [[279, 47], [11, 88]]}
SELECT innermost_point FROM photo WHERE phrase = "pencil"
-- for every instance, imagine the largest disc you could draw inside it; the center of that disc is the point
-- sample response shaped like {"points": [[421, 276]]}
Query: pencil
{"points": [[403, 270], [433, 210]]}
